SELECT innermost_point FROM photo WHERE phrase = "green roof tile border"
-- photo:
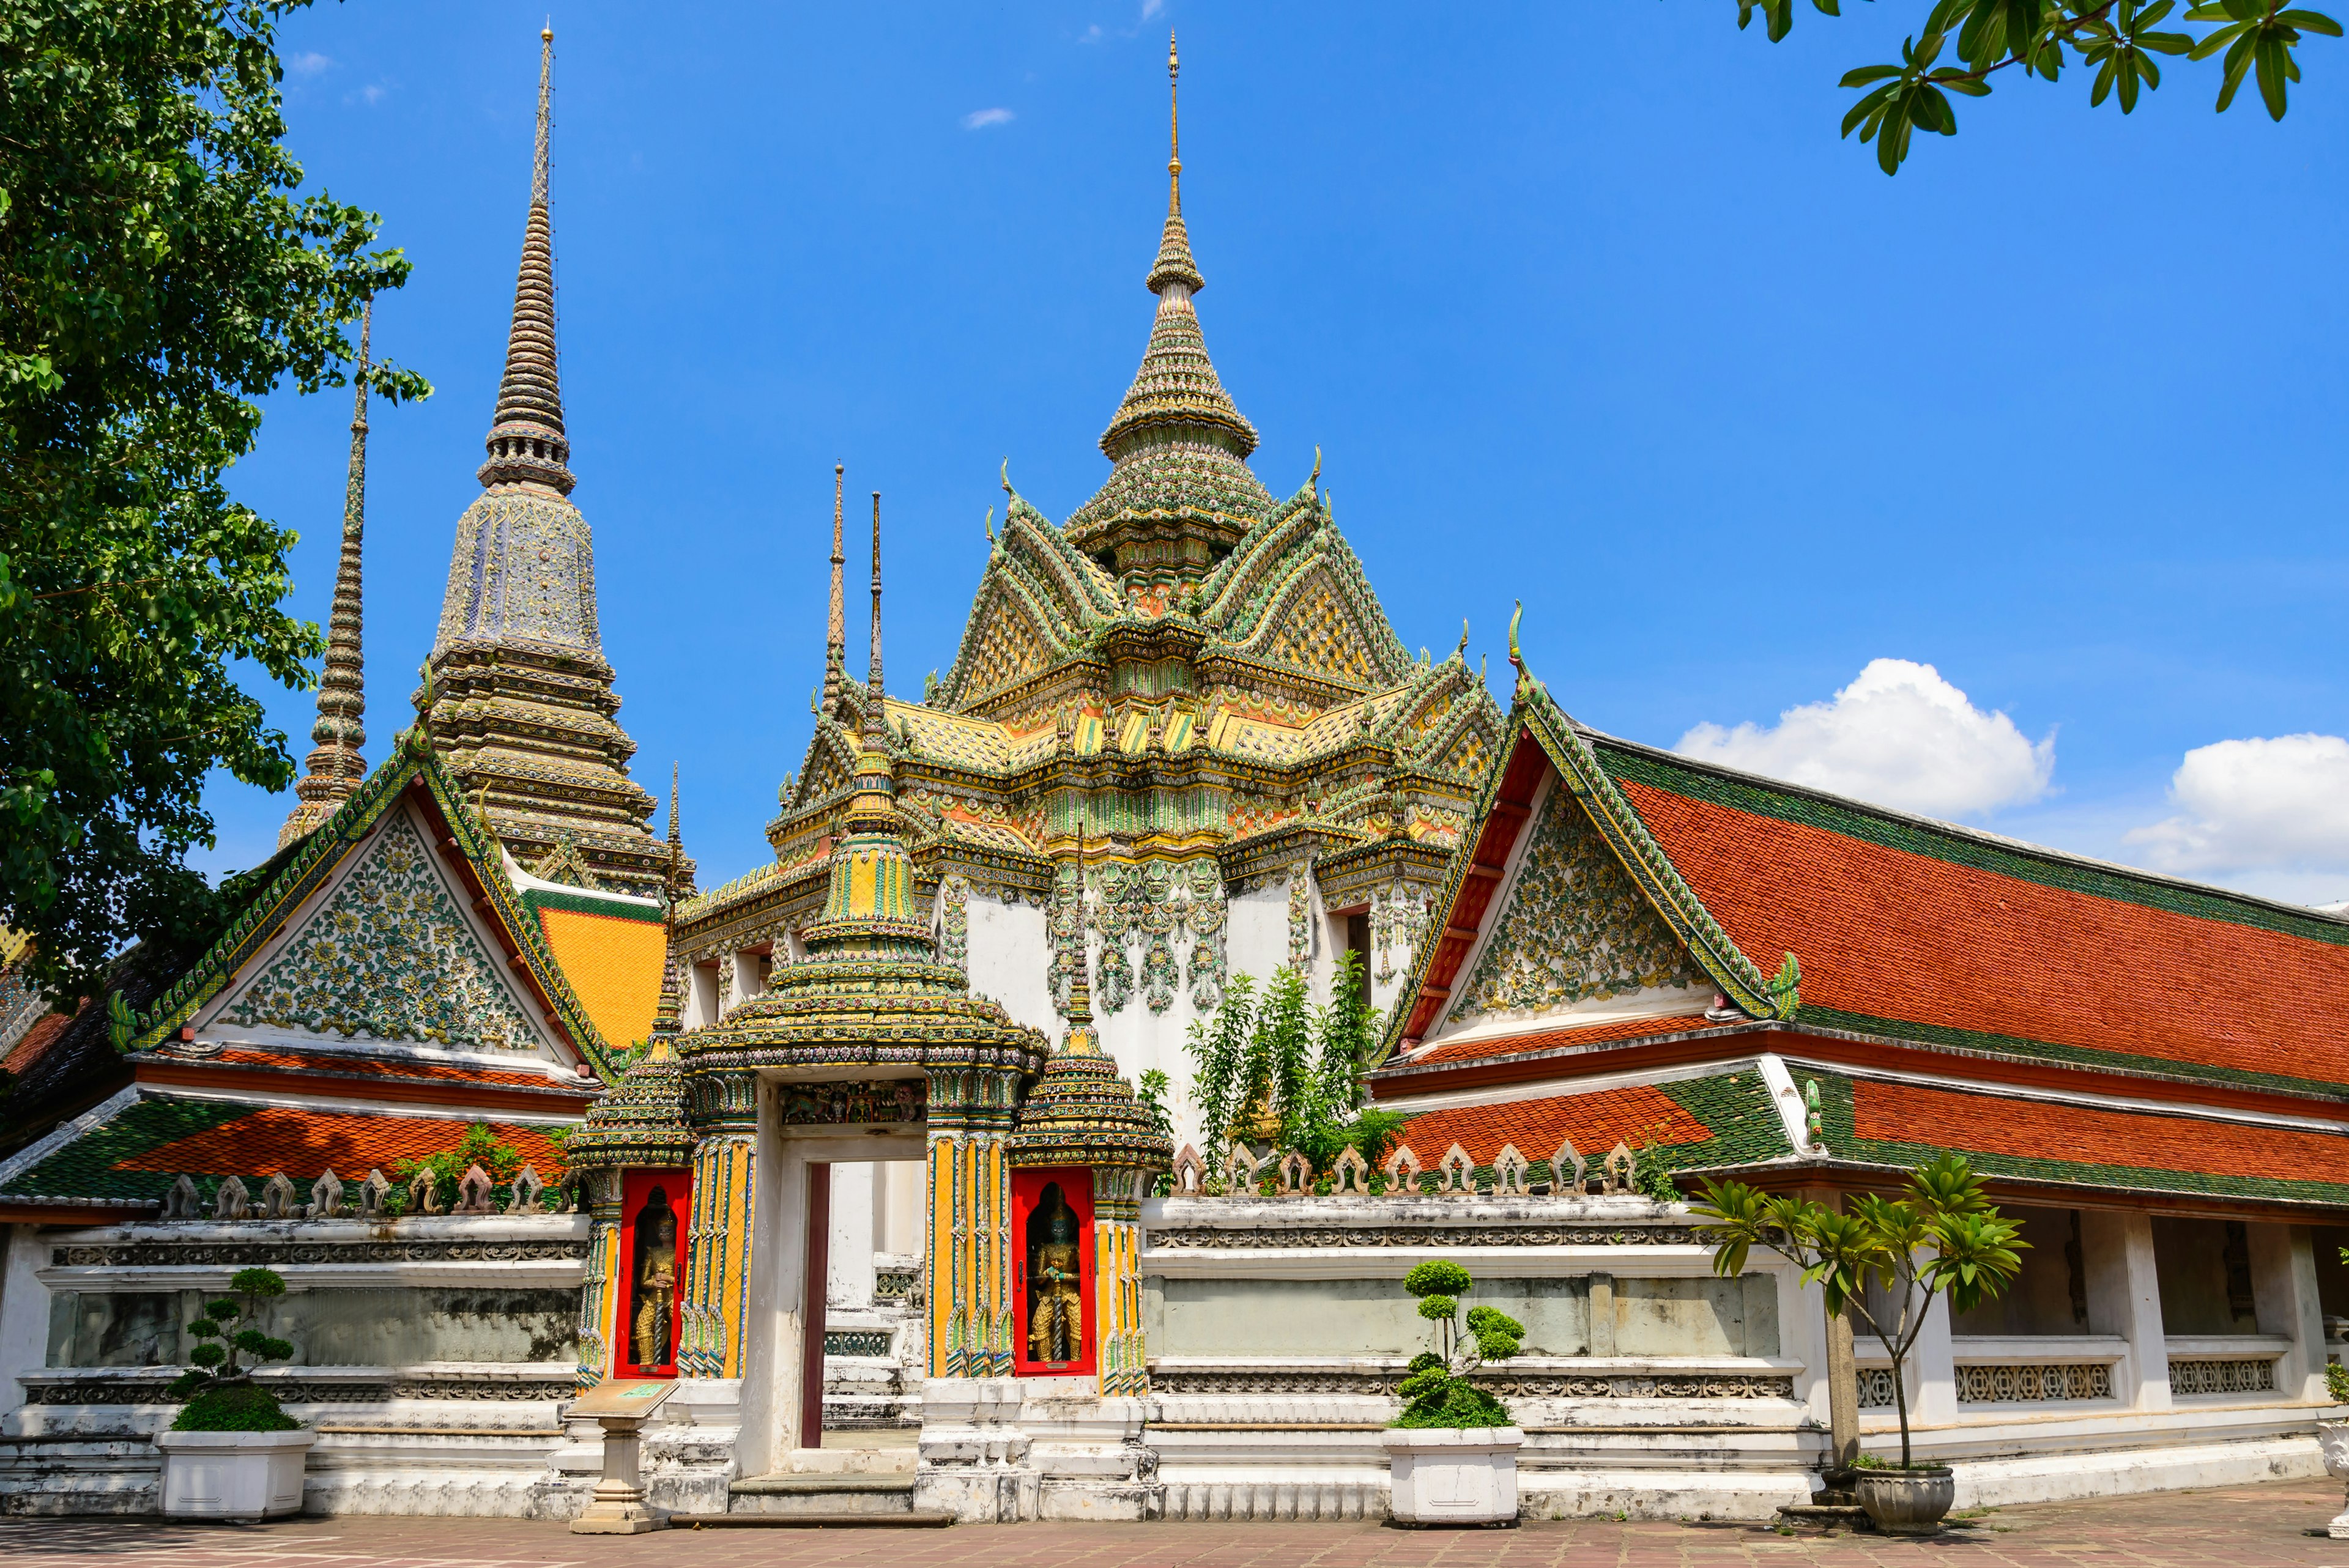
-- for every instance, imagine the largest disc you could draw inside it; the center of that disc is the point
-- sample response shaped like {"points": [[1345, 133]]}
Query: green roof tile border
{"points": [[84, 1168], [538, 898]]}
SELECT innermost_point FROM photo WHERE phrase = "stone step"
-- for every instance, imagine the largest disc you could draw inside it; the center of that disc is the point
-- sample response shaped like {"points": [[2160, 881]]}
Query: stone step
{"points": [[885, 1495], [811, 1520]]}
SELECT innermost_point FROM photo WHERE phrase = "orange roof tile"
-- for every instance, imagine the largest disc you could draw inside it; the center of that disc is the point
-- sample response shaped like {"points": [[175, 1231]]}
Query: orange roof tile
{"points": [[1895, 934], [1596, 1121], [2041, 1130], [374, 1067], [614, 966], [301, 1144]]}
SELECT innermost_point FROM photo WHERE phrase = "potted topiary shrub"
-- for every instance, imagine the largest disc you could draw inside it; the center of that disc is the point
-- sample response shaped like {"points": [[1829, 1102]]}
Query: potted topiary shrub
{"points": [[1943, 1234], [1453, 1451], [231, 1453]]}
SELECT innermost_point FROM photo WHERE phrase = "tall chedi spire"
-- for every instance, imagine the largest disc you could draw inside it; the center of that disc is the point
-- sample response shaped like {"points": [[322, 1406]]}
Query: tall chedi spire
{"points": [[835, 641], [335, 765], [1180, 494], [519, 698]]}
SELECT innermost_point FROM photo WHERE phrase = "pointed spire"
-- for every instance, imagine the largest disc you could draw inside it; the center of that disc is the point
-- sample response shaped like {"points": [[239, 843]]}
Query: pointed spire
{"points": [[333, 770], [874, 721], [1179, 443], [1175, 264], [1081, 1040], [680, 864], [835, 645], [526, 442]]}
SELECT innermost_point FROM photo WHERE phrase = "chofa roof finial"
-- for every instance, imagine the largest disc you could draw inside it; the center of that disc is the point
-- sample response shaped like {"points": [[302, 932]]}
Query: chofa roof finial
{"points": [[1516, 659]]}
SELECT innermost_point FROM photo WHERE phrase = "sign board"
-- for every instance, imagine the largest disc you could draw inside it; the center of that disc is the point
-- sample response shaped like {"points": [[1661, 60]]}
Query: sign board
{"points": [[624, 1398]]}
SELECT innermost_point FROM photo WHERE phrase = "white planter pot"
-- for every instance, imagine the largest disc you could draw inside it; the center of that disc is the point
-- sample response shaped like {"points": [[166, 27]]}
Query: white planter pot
{"points": [[1454, 1477], [2333, 1438], [233, 1475]]}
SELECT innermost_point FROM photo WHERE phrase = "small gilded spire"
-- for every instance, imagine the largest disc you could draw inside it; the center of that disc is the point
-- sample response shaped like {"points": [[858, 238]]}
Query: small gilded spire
{"points": [[835, 645], [874, 721], [1081, 1040], [1174, 263], [526, 442], [333, 770]]}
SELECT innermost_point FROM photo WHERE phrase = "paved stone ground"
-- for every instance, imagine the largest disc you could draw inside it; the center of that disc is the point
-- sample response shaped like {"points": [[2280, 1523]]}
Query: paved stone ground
{"points": [[2239, 1527]]}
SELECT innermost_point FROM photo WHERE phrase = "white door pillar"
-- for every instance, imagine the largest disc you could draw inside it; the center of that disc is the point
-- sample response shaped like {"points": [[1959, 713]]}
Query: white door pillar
{"points": [[1932, 1374], [2124, 1298], [2284, 1287], [849, 1268]]}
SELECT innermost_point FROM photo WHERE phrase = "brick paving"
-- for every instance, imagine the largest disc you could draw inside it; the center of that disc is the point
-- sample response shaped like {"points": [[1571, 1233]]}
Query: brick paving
{"points": [[2235, 1527]]}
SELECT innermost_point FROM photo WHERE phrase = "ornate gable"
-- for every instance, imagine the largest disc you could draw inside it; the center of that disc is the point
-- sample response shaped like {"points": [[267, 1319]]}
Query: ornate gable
{"points": [[1314, 631], [1575, 928], [1009, 646], [389, 953]]}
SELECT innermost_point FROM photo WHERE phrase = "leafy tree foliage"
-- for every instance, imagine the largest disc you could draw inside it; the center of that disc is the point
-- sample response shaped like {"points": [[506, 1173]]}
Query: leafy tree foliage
{"points": [[161, 270], [1271, 1065], [2121, 41], [1944, 1234]]}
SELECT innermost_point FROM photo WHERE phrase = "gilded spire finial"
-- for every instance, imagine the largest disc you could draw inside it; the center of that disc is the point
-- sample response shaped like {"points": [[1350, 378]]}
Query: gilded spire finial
{"points": [[836, 643], [873, 721], [333, 770], [1080, 1037], [1173, 128]]}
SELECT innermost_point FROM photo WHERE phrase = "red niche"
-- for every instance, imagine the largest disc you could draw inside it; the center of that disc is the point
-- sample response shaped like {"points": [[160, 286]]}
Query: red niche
{"points": [[1052, 1240], [651, 1281]]}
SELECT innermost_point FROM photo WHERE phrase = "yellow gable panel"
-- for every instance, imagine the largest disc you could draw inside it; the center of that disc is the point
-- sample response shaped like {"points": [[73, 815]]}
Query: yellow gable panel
{"points": [[614, 966]]}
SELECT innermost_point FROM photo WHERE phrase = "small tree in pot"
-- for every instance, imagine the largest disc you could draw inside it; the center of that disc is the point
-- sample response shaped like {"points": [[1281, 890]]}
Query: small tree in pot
{"points": [[232, 1453], [1942, 1235], [1453, 1450]]}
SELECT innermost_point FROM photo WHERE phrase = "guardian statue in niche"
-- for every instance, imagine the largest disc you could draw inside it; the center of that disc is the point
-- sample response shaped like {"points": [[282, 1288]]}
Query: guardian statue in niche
{"points": [[655, 1272], [1055, 1291]]}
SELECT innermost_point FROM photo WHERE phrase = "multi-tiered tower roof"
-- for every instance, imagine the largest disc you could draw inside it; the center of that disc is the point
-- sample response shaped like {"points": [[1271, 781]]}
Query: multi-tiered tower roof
{"points": [[518, 695]]}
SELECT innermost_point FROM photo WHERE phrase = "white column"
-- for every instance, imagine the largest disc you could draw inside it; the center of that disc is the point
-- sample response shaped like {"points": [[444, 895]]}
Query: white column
{"points": [[23, 1316], [1932, 1375], [747, 983], [2283, 1287], [899, 1225], [849, 1266], [700, 995], [2124, 1298]]}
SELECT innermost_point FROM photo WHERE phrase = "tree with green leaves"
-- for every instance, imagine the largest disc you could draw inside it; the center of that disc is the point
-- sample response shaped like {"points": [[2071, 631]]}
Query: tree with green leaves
{"points": [[2121, 42], [1943, 1235], [162, 270], [1274, 1065], [220, 1395]]}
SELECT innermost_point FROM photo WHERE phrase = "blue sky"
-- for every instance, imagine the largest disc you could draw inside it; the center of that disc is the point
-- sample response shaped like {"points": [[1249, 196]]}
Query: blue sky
{"points": [[1585, 304]]}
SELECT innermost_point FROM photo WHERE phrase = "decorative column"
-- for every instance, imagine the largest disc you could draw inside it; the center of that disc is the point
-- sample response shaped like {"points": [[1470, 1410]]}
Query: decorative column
{"points": [[1083, 1114], [724, 1223], [600, 1291], [970, 1318], [2125, 1299]]}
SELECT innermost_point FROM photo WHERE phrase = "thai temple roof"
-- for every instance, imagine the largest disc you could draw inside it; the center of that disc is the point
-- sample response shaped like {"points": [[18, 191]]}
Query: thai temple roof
{"points": [[2120, 1027]]}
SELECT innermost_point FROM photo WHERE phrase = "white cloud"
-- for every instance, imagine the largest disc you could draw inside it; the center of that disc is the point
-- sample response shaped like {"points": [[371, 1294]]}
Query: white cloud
{"points": [[981, 119], [370, 95], [1899, 736], [2275, 805], [1151, 7], [309, 63]]}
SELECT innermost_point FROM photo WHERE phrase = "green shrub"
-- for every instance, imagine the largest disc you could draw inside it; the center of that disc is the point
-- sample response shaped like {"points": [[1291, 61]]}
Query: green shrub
{"points": [[219, 1395], [1437, 1389]]}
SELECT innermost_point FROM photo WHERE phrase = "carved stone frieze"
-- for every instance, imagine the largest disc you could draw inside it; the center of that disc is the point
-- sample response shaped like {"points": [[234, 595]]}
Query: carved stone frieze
{"points": [[294, 1391], [1538, 1385], [279, 1255], [1216, 1238]]}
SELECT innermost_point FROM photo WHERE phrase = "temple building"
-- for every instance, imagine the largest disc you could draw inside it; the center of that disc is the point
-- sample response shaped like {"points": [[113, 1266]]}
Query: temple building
{"points": [[853, 1148]]}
